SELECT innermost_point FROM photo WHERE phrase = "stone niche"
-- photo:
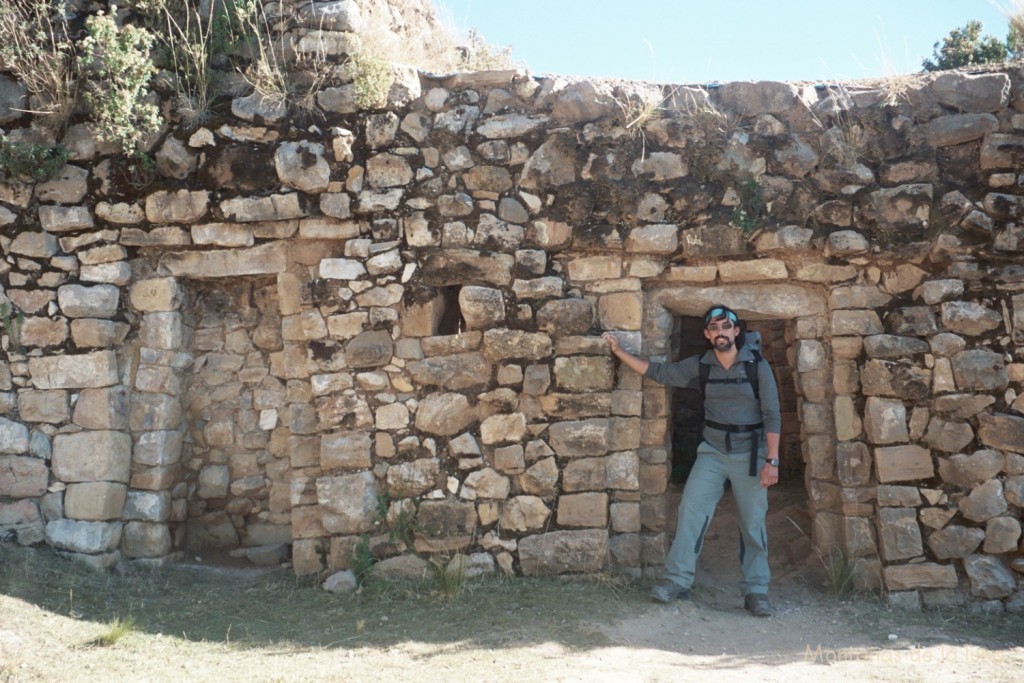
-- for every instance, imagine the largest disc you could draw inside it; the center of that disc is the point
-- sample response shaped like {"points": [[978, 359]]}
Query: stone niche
{"points": [[237, 464]]}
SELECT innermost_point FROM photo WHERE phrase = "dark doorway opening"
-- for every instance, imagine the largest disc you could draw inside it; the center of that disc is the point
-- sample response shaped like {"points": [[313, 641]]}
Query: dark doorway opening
{"points": [[687, 406]]}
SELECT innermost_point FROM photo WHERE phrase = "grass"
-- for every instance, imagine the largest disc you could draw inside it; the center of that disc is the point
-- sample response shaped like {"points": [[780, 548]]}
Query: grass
{"points": [[116, 630], [251, 608], [840, 571], [265, 625], [449, 575]]}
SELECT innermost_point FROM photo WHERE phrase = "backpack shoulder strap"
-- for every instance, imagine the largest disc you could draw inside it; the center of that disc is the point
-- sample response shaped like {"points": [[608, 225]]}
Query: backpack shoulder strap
{"points": [[751, 368], [705, 371]]}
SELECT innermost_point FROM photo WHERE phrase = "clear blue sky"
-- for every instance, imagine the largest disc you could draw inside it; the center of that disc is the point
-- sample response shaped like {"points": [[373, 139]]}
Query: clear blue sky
{"points": [[699, 41]]}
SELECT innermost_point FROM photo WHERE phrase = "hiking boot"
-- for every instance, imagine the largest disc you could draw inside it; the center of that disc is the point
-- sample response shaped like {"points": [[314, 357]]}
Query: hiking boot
{"points": [[758, 605], [667, 591]]}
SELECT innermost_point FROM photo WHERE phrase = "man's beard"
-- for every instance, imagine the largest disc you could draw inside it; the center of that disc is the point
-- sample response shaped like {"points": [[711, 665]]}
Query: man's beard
{"points": [[723, 344]]}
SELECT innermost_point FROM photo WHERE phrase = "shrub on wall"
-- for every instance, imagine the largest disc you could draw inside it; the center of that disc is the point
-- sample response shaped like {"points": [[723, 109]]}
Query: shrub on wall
{"points": [[118, 58]]}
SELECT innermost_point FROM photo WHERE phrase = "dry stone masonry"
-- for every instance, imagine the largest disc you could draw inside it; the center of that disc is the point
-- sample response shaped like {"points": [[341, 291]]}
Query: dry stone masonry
{"points": [[387, 325]]}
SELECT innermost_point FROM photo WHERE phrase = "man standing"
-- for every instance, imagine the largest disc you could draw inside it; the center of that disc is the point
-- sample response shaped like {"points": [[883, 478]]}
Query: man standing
{"points": [[740, 447]]}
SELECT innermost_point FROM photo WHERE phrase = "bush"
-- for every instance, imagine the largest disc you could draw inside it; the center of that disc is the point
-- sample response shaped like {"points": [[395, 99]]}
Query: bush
{"points": [[32, 162], [120, 57]]}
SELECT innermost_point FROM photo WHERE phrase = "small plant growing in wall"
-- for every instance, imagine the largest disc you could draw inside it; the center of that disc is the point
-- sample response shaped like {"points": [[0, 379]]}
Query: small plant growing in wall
{"points": [[32, 162], [10, 327], [751, 203], [118, 92]]}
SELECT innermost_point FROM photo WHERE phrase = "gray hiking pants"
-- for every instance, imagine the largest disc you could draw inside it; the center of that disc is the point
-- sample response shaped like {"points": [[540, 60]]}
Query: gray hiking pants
{"points": [[703, 490]]}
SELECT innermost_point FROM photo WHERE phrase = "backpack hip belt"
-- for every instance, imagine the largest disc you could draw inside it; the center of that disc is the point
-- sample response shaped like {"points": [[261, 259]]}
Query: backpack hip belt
{"points": [[740, 429]]}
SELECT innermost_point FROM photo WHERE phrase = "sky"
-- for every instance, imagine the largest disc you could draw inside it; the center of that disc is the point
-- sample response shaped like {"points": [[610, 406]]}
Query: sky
{"points": [[708, 41]]}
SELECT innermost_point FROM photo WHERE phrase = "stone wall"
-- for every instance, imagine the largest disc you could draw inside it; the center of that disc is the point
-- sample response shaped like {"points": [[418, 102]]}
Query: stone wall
{"points": [[387, 324]]}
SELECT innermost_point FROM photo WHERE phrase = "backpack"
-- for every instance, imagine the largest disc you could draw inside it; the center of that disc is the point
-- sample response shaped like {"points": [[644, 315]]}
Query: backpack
{"points": [[753, 344]]}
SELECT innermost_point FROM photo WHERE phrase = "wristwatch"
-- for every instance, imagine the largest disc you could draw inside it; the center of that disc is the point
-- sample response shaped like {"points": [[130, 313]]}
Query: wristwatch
{"points": [[774, 462]]}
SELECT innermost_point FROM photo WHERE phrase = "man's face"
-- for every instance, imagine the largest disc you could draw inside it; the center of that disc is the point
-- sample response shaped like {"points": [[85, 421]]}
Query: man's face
{"points": [[722, 333]]}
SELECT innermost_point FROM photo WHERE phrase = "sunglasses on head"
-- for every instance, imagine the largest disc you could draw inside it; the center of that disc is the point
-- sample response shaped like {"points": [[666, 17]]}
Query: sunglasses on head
{"points": [[715, 313]]}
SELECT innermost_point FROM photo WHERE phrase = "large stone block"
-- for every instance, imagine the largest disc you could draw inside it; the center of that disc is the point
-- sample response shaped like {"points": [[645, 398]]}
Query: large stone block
{"points": [[213, 481], [989, 576], [540, 479], [584, 374], [917, 576], [984, 502], [158, 449], [105, 408], [621, 310], [583, 509], [1001, 535], [946, 436], [349, 502], [182, 206], [89, 333], [980, 370], [444, 414], [156, 294], [503, 428], [346, 450], [301, 165], [92, 456], [908, 462], [899, 534], [266, 259], [444, 525], [147, 506], [43, 332], [22, 518], [80, 371], [162, 330], [504, 344], [486, 484], [561, 552], [65, 218], [580, 438], [458, 372], [885, 421], [860, 323], [83, 537], [1004, 432], [524, 513], [413, 478], [653, 239], [369, 349], [94, 501], [13, 436], [22, 476], [331, 412], [443, 268], [566, 317], [584, 474], [955, 541], [154, 412], [481, 307], [146, 539], [589, 268], [956, 129], [969, 470]]}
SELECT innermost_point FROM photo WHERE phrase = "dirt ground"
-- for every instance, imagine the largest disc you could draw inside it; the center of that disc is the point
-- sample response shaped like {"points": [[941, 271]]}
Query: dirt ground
{"points": [[528, 630]]}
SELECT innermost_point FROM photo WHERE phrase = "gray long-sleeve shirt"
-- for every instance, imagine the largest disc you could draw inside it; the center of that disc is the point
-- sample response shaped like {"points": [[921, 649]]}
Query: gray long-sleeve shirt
{"points": [[732, 404]]}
